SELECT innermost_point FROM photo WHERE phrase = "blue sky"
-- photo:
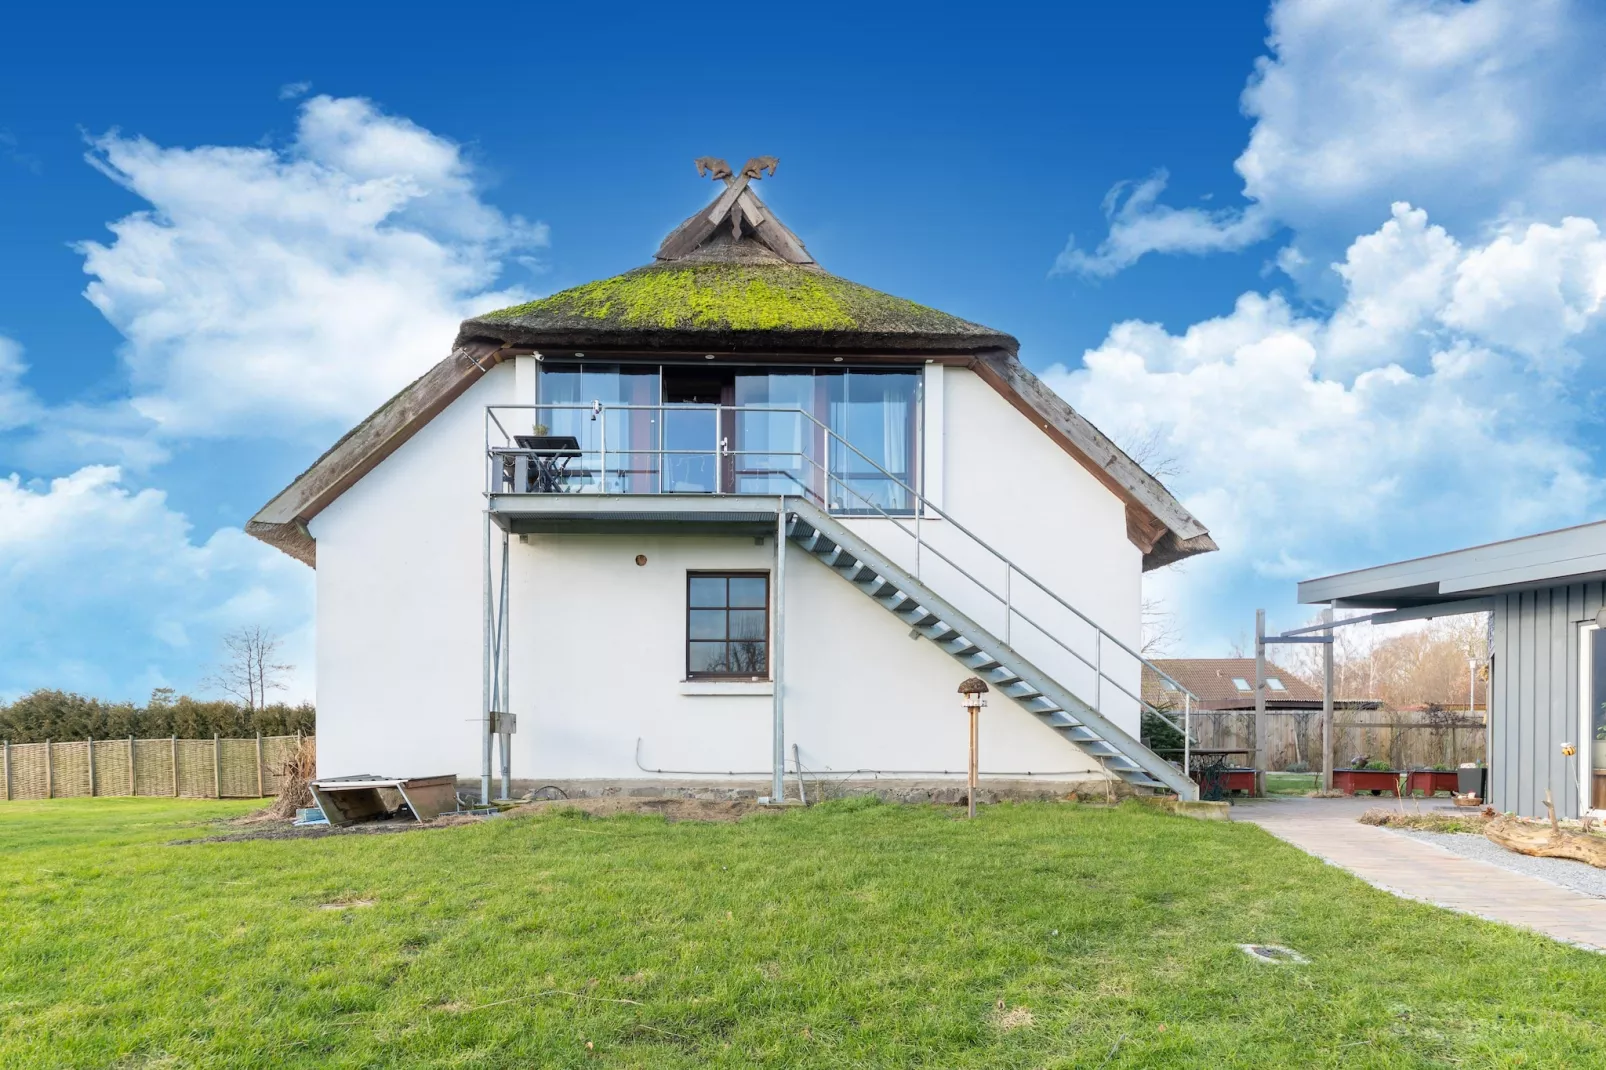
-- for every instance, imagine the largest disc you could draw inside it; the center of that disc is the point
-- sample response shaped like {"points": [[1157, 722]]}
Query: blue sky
{"points": [[1337, 267]]}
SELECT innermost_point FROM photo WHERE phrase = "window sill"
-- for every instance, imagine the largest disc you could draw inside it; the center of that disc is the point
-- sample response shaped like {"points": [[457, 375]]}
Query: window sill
{"points": [[727, 687]]}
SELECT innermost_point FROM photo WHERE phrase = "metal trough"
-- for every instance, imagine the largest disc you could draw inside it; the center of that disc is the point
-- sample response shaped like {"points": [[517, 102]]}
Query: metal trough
{"points": [[347, 800]]}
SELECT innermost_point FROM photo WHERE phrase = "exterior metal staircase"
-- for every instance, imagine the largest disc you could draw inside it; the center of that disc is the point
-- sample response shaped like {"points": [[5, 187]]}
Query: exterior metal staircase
{"points": [[1009, 673]]}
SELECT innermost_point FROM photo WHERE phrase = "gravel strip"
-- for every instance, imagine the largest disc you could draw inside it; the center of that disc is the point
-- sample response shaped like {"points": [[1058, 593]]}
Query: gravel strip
{"points": [[1579, 876]]}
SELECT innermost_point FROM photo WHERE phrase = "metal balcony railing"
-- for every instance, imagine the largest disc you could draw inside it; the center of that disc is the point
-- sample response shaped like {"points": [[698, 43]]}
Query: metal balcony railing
{"points": [[776, 451]]}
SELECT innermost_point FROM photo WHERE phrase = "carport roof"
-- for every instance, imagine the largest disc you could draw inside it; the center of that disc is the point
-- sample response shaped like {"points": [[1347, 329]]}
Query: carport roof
{"points": [[1551, 558]]}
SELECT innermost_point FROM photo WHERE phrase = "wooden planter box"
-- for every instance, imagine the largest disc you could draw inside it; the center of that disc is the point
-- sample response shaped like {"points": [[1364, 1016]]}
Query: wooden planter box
{"points": [[1376, 781], [1431, 781], [1240, 780]]}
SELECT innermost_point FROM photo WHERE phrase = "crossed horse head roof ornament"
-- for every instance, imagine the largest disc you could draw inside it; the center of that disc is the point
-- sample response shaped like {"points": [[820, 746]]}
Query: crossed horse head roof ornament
{"points": [[739, 208]]}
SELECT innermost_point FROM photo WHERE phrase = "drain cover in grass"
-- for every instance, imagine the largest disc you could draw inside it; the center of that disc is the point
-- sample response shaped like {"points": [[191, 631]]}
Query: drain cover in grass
{"points": [[1273, 954]]}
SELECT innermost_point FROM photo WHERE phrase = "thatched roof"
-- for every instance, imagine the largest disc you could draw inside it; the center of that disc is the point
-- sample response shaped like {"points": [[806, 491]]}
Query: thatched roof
{"points": [[749, 306]]}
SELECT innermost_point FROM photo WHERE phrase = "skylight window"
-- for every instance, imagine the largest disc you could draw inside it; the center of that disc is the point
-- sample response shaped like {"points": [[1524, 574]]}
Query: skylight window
{"points": [[1241, 684], [1275, 684]]}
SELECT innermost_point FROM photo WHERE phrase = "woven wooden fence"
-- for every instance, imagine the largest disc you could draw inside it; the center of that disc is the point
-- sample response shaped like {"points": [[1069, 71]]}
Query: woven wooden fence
{"points": [[1406, 740], [187, 768]]}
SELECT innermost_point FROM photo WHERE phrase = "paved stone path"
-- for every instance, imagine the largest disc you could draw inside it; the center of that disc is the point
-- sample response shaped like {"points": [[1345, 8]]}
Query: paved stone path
{"points": [[1414, 869]]}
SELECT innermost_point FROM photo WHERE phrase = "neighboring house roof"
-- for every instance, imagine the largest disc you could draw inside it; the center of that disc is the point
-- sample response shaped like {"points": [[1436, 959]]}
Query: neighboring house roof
{"points": [[732, 279], [1229, 684], [1551, 558]]}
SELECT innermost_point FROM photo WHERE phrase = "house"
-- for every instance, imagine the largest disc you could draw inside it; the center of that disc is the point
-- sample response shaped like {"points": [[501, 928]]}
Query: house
{"points": [[1547, 652], [1224, 684], [722, 516]]}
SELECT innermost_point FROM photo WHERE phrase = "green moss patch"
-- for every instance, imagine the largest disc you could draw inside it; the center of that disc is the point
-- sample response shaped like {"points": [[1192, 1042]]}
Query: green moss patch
{"points": [[726, 296]]}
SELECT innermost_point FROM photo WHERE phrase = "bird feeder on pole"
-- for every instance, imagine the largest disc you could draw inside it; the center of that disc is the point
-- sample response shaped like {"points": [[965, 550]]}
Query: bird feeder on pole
{"points": [[971, 692]]}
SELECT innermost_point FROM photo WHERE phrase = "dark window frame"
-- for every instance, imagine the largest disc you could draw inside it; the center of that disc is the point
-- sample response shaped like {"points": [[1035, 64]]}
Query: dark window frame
{"points": [[727, 574]]}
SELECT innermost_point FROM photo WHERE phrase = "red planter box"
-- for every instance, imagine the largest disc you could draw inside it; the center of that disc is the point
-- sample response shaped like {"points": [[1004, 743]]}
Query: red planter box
{"points": [[1429, 781], [1351, 781], [1240, 780]]}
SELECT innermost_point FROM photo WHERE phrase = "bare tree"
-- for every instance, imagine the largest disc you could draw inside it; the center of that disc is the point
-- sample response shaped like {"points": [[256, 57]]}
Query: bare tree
{"points": [[1151, 454], [1160, 632], [249, 669]]}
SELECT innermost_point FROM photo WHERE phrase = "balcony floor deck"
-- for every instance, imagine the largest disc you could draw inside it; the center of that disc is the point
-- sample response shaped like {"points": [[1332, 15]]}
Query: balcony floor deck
{"points": [[735, 514]]}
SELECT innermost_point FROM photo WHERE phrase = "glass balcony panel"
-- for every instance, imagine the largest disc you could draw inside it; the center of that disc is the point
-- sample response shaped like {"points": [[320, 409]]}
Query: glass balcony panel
{"points": [[690, 463]]}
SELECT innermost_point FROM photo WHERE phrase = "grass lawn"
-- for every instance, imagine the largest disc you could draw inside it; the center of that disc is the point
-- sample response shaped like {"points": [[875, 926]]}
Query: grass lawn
{"points": [[845, 935], [1291, 783]]}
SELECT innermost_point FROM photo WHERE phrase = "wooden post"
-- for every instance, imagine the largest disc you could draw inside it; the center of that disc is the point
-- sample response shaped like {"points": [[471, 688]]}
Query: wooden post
{"points": [[50, 770], [133, 780], [1260, 702], [974, 711], [260, 792], [91, 743], [1327, 701], [217, 766], [175, 767]]}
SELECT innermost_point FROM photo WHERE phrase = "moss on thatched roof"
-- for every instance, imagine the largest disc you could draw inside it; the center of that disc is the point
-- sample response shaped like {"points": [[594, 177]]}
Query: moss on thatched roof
{"points": [[729, 303]]}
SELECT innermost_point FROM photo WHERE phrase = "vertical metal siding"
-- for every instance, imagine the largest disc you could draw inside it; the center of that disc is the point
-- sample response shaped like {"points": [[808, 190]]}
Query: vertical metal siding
{"points": [[1535, 699]]}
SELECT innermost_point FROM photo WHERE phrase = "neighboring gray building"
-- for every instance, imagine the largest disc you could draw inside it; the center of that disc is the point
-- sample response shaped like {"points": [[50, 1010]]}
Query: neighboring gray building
{"points": [[1547, 667]]}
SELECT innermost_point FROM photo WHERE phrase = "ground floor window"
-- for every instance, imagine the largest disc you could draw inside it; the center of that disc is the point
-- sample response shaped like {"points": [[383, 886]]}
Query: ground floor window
{"points": [[727, 624]]}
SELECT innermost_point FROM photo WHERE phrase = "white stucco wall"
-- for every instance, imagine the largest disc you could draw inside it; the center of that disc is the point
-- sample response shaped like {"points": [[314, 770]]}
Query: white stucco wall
{"points": [[400, 579], [598, 641]]}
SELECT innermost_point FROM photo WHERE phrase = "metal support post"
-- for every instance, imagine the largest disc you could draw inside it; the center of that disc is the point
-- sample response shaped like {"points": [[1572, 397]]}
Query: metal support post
{"points": [[174, 743], [91, 744], [1327, 702], [485, 691], [1260, 702], [778, 657], [505, 702], [217, 766], [8, 770], [50, 770], [133, 773], [260, 792], [1187, 733]]}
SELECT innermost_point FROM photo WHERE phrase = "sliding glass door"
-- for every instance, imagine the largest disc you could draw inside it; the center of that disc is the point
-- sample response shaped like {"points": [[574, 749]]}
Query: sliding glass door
{"points": [[847, 437]]}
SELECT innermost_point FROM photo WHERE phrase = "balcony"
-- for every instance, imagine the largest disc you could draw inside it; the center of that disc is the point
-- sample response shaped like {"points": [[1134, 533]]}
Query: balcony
{"points": [[688, 461]]}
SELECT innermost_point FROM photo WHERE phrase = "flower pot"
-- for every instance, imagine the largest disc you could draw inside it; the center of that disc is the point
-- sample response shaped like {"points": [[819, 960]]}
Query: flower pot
{"points": [[1598, 754], [1472, 780]]}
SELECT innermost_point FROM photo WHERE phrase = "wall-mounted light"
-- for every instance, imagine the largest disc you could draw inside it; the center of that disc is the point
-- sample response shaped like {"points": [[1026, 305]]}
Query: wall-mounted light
{"points": [[641, 559], [837, 359], [708, 356]]}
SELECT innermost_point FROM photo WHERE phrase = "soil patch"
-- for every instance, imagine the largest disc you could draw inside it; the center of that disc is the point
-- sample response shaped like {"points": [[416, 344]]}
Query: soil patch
{"points": [[261, 826], [670, 809], [1430, 821]]}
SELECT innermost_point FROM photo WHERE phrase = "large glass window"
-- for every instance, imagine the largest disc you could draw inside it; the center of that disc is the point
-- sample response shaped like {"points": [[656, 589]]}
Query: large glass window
{"points": [[727, 624], [848, 437], [775, 442], [631, 436], [875, 412]]}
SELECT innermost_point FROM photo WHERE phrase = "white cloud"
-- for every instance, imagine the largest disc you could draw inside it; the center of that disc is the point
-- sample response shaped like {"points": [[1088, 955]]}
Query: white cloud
{"points": [[18, 407], [106, 593], [1140, 224], [271, 291], [294, 90], [1432, 404], [1476, 109]]}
